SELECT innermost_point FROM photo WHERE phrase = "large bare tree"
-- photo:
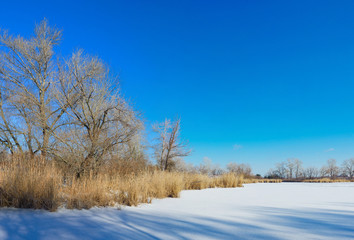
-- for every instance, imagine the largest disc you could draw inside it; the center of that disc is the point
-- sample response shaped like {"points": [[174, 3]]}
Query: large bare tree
{"points": [[28, 72], [100, 119], [169, 146], [67, 109]]}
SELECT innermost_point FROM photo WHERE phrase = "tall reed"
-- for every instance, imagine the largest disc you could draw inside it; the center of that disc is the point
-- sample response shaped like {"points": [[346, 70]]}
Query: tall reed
{"points": [[41, 184]]}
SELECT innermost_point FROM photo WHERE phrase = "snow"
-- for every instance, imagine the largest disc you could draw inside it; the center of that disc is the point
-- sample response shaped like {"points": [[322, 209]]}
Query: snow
{"points": [[256, 211]]}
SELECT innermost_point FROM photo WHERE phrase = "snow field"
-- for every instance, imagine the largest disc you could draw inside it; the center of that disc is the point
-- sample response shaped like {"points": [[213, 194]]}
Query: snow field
{"points": [[256, 211]]}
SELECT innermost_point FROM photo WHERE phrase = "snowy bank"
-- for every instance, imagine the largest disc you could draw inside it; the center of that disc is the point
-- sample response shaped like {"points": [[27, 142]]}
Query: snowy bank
{"points": [[257, 211]]}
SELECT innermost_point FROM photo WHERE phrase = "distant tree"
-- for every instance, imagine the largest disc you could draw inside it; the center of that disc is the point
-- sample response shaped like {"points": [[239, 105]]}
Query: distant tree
{"points": [[206, 166], [311, 172], [290, 165], [323, 171], [290, 169], [281, 170], [182, 166], [240, 169], [331, 169], [169, 146], [216, 170], [272, 174], [298, 170], [232, 167], [294, 168], [348, 168]]}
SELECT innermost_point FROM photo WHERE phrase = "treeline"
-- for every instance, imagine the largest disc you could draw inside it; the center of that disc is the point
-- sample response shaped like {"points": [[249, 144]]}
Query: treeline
{"points": [[292, 169], [207, 167]]}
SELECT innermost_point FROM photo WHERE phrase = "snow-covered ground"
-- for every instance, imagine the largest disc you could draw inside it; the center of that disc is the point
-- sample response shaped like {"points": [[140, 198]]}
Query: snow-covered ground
{"points": [[257, 211]]}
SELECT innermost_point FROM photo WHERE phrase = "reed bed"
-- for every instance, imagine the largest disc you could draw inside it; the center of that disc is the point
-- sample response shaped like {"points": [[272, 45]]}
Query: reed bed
{"points": [[262, 180], [40, 184], [29, 184], [325, 180]]}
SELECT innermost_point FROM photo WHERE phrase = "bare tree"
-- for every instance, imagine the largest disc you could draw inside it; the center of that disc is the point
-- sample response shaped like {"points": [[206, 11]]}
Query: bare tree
{"points": [[298, 170], [182, 166], [281, 170], [272, 174], [232, 167], [67, 109], [311, 172], [217, 170], [169, 146], [290, 168], [28, 71], [239, 169], [331, 170], [206, 166], [348, 168], [100, 119]]}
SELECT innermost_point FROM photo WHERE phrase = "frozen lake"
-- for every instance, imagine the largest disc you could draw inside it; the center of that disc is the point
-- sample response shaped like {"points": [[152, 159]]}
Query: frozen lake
{"points": [[257, 211]]}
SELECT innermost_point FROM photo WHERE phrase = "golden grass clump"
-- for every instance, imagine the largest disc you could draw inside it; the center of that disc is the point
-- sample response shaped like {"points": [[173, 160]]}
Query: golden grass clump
{"points": [[228, 180], [29, 184], [199, 181], [87, 192], [143, 188], [196, 181]]}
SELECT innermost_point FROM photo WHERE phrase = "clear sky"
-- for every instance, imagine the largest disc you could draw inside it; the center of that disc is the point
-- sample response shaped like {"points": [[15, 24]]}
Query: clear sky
{"points": [[253, 81]]}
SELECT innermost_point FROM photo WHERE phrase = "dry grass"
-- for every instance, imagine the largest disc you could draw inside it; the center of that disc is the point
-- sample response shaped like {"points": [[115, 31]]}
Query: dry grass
{"points": [[325, 180], [143, 188], [261, 180], [29, 184], [199, 181], [228, 180], [86, 192], [41, 185]]}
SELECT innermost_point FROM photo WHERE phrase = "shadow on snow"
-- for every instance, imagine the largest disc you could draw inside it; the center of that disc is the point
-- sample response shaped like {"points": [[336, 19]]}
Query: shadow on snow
{"points": [[264, 223]]}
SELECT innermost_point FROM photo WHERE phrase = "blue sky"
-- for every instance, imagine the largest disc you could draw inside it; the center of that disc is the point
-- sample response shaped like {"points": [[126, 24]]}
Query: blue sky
{"points": [[274, 77]]}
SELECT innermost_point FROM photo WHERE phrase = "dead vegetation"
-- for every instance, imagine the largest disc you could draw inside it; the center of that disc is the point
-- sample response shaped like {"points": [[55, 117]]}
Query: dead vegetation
{"points": [[262, 180], [326, 180], [40, 184]]}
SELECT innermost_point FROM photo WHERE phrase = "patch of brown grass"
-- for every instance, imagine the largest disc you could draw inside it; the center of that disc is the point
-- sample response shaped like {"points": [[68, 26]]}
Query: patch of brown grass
{"points": [[197, 181], [40, 184], [228, 180], [148, 185], [261, 180], [325, 180], [87, 192], [29, 184]]}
